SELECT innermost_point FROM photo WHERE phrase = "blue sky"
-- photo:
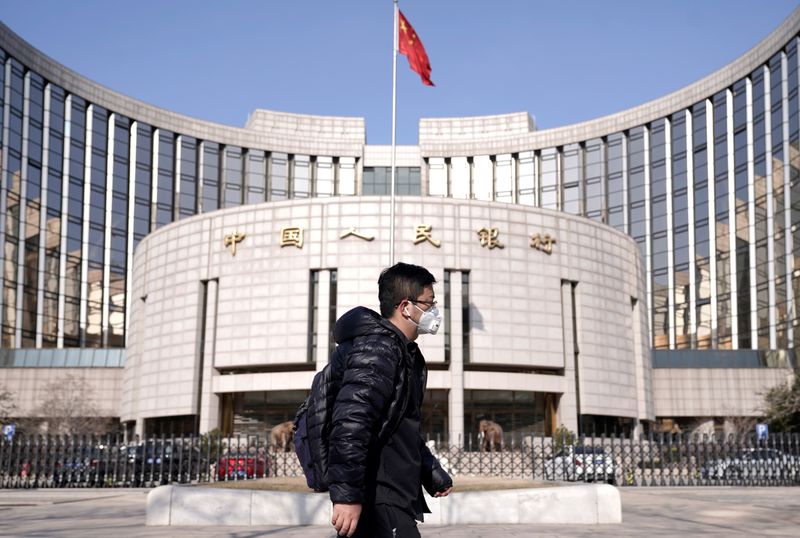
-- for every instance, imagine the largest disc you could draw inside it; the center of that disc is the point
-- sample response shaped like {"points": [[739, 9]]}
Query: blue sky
{"points": [[563, 62]]}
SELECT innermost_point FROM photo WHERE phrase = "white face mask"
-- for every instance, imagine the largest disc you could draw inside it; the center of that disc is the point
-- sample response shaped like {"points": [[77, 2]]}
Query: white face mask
{"points": [[429, 321]]}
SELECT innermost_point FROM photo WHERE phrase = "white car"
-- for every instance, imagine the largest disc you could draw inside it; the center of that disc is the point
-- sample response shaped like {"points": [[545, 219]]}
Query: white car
{"points": [[580, 463], [753, 463]]}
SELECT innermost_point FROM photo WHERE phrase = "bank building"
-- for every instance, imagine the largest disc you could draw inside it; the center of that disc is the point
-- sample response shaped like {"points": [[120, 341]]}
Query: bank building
{"points": [[634, 272]]}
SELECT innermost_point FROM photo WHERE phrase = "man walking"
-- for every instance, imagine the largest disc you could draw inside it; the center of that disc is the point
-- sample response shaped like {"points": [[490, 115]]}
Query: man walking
{"points": [[378, 461]]}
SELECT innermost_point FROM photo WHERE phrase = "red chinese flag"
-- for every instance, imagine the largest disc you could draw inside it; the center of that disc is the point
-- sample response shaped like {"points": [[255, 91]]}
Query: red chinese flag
{"points": [[411, 47]]}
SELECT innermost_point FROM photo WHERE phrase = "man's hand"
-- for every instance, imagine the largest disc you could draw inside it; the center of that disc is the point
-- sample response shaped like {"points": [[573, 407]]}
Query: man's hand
{"points": [[345, 518], [444, 492]]}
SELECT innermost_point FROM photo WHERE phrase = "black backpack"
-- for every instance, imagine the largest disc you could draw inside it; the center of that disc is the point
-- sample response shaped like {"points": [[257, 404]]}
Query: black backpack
{"points": [[312, 438]]}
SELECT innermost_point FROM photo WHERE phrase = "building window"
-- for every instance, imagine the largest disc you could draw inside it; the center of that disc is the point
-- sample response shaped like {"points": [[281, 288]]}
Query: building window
{"points": [[279, 176], [437, 177], [460, 178], [256, 412], [504, 178], [465, 318], [166, 178], [449, 275], [187, 200], [210, 172], [515, 411], [377, 179], [324, 180], [434, 411], [313, 315], [301, 176], [233, 174], [448, 324], [315, 303], [347, 176], [548, 197], [332, 306]]}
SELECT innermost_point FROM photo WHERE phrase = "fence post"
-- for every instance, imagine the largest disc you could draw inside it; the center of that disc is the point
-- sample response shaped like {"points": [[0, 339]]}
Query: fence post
{"points": [[650, 443], [56, 466], [149, 467], [795, 458], [189, 474], [162, 444], [70, 469], [532, 456], [661, 458], [69, 463], [640, 467], [83, 471], [616, 463], [542, 454], [784, 466]]}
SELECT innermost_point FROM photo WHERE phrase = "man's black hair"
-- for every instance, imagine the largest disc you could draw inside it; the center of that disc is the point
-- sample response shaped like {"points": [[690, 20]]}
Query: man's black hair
{"points": [[402, 281]]}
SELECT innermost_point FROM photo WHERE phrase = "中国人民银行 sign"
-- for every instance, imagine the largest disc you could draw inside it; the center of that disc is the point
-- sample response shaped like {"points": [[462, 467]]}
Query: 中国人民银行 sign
{"points": [[487, 237]]}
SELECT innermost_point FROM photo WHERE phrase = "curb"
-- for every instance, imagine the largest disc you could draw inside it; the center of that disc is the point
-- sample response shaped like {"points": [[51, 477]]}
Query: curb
{"points": [[588, 504]]}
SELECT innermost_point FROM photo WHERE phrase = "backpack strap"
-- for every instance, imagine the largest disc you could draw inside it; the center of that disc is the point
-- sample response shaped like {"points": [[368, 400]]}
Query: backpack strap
{"points": [[394, 422]]}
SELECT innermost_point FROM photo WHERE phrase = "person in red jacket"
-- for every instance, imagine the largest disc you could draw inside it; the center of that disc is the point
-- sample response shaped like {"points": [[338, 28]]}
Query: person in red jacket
{"points": [[376, 487]]}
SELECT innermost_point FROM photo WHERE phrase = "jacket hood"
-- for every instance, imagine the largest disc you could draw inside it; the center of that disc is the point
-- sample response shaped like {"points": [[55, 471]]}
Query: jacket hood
{"points": [[361, 321]]}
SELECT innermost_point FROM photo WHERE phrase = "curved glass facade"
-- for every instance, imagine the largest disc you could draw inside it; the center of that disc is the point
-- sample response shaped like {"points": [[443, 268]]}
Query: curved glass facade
{"points": [[710, 192], [709, 189], [82, 184]]}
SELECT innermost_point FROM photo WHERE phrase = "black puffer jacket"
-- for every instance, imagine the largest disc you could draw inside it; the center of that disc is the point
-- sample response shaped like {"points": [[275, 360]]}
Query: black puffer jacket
{"points": [[372, 369]]}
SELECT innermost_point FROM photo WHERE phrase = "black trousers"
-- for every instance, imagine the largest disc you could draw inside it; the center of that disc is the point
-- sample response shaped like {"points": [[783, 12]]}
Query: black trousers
{"points": [[385, 521]]}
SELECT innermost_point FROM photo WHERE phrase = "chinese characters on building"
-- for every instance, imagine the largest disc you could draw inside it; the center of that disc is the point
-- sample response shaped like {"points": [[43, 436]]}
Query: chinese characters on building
{"points": [[543, 242], [423, 233], [292, 236], [231, 240], [352, 231], [488, 237]]}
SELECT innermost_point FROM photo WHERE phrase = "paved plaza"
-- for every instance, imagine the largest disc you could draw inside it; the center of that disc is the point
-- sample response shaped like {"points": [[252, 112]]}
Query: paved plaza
{"points": [[650, 512]]}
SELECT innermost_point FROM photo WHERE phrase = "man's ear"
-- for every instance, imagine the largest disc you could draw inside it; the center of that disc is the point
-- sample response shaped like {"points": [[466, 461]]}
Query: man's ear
{"points": [[401, 306]]}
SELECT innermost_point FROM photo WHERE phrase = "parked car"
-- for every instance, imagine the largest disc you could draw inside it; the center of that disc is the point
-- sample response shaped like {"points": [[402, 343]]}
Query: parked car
{"points": [[167, 463], [753, 463], [77, 464], [241, 465], [580, 463]]}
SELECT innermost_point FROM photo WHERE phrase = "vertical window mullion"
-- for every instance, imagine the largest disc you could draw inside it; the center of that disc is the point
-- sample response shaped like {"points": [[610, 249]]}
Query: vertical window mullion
{"points": [[132, 161], [712, 218], [23, 214], [670, 231], [40, 273], [787, 204], [732, 224], [690, 217], [3, 191], [104, 323], [87, 185]]}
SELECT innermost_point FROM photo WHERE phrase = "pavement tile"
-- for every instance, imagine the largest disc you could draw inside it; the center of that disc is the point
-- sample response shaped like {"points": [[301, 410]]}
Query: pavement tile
{"points": [[649, 512]]}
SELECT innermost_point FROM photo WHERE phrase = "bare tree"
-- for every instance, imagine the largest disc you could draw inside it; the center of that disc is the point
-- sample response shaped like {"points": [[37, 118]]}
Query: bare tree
{"points": [[738, 425], [8, 409], [782, 406], [69, 407]]}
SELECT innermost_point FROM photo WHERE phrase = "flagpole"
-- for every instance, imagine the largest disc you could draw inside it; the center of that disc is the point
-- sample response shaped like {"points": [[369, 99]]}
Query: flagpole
{"points": [[394, 131]]}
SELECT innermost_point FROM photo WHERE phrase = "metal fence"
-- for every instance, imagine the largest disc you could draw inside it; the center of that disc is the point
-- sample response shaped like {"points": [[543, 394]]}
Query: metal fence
{"points": [[656, 460], [652, 460]]}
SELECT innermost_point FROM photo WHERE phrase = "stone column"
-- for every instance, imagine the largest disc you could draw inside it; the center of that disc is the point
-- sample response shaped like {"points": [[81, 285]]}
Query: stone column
{"points": [[209, 401], [322, 298], [139, 429], [568, 405], [455, 400]]}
